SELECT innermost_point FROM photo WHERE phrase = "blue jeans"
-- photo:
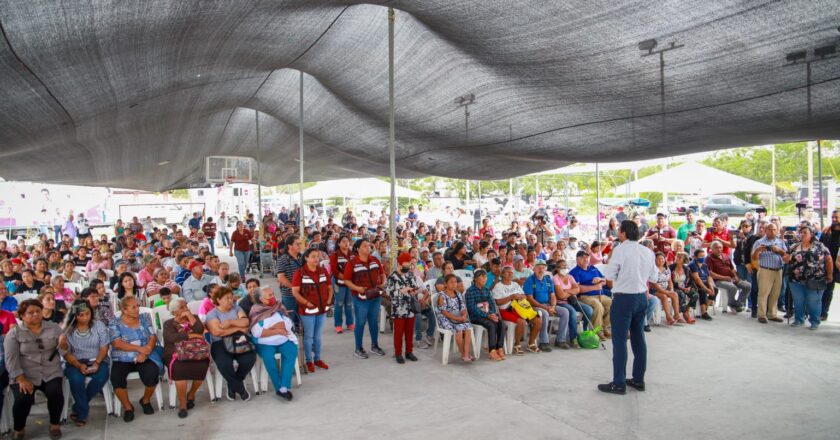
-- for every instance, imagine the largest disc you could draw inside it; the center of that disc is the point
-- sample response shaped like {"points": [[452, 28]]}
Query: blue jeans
{"points": [[290, 303], [652, 303], [343, 305], [225, 239], [418, 324], [628, 314], [312, 327], [754, 293], [212, 242], [573, 333], [367, 312], [805, 298], [242, 259], [57, 230], [587, 311], [288, 350], [84, 393]]}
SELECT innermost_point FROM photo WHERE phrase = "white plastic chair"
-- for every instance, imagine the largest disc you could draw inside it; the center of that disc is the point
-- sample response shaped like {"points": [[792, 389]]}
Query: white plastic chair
{"points": [[75, 287], [510, 333], [136, 376], [383, 318], [721, 300], [466, 276], [6, 420], [173, 392], [448, 335], [107, 394], [479, 332], [24, 296], [263, 373], [194, 306]]}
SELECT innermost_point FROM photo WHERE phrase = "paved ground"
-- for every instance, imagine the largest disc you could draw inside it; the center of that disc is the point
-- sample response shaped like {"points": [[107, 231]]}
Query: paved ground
{"points": [[731, 378]]}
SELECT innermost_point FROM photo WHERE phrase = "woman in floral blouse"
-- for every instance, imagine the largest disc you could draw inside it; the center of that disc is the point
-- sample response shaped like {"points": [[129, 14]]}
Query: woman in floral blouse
{"points": [[401, 285], [810, 270]]}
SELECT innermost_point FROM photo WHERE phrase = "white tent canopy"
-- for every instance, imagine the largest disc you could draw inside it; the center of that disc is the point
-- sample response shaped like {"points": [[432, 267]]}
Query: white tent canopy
{"points": [[696, 178], [355, 189]]}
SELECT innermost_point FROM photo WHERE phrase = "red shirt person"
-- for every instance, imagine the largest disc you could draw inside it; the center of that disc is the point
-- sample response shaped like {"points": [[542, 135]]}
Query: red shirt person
{"points": [[364, 272], [662, 235], [720, 233]]}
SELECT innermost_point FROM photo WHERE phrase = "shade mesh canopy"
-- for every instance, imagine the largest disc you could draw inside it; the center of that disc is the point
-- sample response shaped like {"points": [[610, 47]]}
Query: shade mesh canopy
{"points": [[356, 189], [100, 92]]}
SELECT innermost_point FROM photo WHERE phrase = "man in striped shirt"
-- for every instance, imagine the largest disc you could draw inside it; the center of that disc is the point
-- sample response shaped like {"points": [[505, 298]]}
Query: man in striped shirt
{"points": [[771, 253]]}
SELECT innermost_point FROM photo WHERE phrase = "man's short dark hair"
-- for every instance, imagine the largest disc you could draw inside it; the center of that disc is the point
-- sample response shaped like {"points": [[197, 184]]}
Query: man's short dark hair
{"points": [[630, 229]]}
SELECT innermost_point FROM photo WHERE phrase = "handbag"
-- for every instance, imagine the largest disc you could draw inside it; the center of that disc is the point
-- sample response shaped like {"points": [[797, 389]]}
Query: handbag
{"points": [[523, 308], [237, 343], [371, 293], [414, 304], [192, 350]]}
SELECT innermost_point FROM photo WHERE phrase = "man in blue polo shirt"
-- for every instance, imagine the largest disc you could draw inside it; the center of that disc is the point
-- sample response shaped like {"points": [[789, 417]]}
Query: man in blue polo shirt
{"points": [[592, 283], [539, 288]]}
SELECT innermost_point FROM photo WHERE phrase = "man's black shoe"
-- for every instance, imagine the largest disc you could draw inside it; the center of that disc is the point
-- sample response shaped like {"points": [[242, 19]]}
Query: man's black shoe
{"points": [[706, 317], [612, 388], [638, 385], [647, 328], [411, 357], [400, 359]]}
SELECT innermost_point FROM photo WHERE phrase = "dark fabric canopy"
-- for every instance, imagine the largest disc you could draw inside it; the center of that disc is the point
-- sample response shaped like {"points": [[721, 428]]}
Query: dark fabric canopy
{"points": [[100, 92]]}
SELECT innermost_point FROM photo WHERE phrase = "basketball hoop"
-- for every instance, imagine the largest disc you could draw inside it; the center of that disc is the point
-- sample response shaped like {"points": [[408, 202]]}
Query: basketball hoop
{"points": [[229, 180]]}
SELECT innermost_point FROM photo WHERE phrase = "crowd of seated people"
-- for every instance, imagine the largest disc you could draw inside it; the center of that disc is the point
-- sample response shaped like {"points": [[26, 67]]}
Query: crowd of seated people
{"points": [[78, 308]]}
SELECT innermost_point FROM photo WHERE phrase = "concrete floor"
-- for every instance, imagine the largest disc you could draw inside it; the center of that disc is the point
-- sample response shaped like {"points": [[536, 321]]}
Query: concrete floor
{"points": [[731, 378]]}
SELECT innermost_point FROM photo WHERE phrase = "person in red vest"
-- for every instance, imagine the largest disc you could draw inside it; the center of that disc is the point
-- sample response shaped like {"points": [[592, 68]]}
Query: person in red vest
{"points": [[313, 292], [364, 277]]}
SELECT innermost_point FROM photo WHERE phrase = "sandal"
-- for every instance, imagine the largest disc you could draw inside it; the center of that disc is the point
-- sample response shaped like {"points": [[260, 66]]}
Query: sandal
{"points": [[501, 353], [533, 348], [494, 356], [517, 350]]}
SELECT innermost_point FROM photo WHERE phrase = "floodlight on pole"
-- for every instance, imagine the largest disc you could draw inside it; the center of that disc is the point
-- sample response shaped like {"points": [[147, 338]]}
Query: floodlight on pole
{"points": [[649, 47]]}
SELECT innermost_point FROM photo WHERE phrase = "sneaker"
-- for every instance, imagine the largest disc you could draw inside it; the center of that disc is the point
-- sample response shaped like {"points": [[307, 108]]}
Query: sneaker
{"points": [[231, 395], [422, 344], [740, 309], [351, 327], [310, 367], [411, 357], [796, 324], [639, 385], [400, 359], [753, 315], [360, 353], [564, 345], [245, 395], [545, 347], [430, 340], [647, 328], [612, 388], [322, 365], [287, 395], [706, 317], [339, 330], [377, 351], [814, 327]]}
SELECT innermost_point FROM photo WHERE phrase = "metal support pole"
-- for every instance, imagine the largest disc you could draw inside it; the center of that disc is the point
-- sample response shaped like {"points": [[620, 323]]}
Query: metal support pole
{"points": [[597, 202], [820, 182], [810, 193], [300, 189], [479, 206], [773, 182], [259, 172], [392, 227]]}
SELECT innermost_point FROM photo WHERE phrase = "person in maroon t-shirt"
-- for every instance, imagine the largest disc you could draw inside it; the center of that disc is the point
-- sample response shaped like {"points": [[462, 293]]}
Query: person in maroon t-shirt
{"points": [[241, 240], [209, 229], [662, 235], [363, 272]]}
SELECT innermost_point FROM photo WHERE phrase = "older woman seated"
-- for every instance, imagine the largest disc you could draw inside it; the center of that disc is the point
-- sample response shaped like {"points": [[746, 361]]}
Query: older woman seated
{"points": [[84, 345], [34, 365], [186, 329], [453, 316], [134, 341], [161, 279], [274, 334], [228, 319]]}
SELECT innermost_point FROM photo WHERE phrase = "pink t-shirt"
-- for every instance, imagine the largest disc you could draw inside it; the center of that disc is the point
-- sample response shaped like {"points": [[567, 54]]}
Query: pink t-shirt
{"points": [[8, 320], [205, 308], [564, 283], [595, 258]]}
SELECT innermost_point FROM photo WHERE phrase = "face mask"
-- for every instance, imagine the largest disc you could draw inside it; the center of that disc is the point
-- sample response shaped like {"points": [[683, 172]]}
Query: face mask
{"points": [[564, 272], [701, 260], [405, 269], [272, 302]]}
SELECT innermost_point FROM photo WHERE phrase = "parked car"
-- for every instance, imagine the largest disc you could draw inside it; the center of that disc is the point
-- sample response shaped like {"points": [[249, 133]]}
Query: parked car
{"points": [[729, 205]]}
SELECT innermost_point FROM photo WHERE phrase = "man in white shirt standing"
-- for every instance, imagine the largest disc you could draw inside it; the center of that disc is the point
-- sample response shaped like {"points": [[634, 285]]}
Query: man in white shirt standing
{"points": [[630, 268]]}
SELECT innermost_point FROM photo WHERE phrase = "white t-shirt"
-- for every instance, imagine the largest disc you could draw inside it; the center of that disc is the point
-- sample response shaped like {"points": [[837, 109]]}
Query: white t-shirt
{"points": [[82, 226], [258, 328], [501, 290], [480, 260]]}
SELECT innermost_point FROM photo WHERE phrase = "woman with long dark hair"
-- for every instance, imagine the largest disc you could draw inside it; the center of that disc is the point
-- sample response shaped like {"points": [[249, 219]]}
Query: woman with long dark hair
{"points": [[126, 285], [84, 345]]}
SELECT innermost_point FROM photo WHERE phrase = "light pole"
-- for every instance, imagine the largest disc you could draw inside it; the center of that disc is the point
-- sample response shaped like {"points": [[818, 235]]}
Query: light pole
{"points": [[465, 101], [798, 57], [649, 46]]}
